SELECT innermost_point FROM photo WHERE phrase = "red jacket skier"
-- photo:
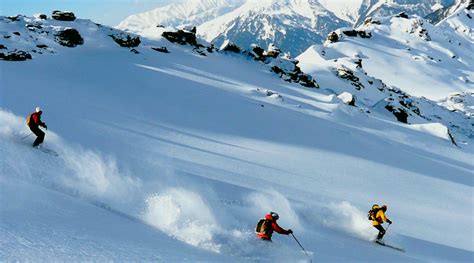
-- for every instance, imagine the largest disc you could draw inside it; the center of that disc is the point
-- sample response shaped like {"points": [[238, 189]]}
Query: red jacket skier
{"points": [[34, 121], [267, 225]]}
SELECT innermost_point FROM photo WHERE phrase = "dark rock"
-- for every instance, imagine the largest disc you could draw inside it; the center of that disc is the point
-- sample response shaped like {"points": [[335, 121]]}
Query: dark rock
{"points": [[41, 46], [63, 16], [350, 33], [200, 52], [14, 18], [69, 37], [364, 34], [162, 26], [402, 15], [333, 37], [370, 20], [161, 49], [16, 33], [2, 46], [231, 47], [134, 51], [345, 73], [126, 40], [43, 16], [210, 48], [354, 33], [7, 36], [16, 55], [258, 53], [181, 37], [358, 62], [400, 114]]}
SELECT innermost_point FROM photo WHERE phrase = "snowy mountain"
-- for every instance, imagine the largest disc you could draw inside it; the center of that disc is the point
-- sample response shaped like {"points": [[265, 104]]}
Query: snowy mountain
{"points": [[292, 25], [186, 13], [171, 150]]}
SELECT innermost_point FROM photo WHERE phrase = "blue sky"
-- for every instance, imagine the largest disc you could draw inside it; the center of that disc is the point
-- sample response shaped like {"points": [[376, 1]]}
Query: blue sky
{"points": [[108, 12]]}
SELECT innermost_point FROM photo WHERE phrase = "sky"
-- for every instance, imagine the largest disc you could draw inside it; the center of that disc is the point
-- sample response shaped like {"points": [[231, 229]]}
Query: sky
{"points": [[107, 12]]}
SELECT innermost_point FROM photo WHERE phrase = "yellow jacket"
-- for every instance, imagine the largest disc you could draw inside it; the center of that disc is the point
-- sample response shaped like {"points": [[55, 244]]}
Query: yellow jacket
{"points": [[379, 218]]}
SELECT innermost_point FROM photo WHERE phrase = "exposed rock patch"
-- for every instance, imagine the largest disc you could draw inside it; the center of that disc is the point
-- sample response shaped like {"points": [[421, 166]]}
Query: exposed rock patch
{"points": [[68, 37], [63, 16]]}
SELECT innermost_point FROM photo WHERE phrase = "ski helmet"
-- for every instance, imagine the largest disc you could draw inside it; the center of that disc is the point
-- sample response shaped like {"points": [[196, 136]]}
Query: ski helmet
{"points": [[38, 109], [384, 208], [274, 215]]}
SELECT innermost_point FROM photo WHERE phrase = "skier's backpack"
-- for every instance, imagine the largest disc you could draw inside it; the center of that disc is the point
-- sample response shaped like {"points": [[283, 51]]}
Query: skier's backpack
{"points": [[263, 226], [29, 119], [373, 212]]}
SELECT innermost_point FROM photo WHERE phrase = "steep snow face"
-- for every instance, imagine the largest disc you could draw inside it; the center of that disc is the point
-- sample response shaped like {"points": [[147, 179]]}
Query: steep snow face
{"points": [[175, 156], [182, 14], [293, 25]]}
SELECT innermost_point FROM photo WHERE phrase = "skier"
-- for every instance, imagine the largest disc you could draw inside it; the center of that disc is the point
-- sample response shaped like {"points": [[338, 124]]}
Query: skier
{"points": [[267, 225], [377, 215], [34, 121]]}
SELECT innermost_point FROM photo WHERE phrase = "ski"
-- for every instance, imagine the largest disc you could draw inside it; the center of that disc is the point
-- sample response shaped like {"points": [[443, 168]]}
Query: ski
{"points": [[48, 151], [390, 246]]}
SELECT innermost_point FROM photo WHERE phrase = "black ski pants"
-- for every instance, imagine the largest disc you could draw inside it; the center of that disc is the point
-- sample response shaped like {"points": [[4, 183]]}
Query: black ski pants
{"points": [[40, 135], [381, 231]]}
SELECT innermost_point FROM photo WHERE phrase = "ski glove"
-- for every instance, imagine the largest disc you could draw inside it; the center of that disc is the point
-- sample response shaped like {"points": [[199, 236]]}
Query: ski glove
{"points": [[290, 231], [45, 126], [389, 221]]}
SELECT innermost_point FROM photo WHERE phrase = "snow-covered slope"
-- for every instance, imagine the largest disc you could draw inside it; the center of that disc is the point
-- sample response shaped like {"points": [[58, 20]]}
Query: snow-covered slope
{"points": [[175, 156]]}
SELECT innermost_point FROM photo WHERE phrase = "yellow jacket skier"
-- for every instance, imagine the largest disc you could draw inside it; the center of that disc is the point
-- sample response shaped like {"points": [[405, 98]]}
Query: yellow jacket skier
{"points": [[378, 217]]}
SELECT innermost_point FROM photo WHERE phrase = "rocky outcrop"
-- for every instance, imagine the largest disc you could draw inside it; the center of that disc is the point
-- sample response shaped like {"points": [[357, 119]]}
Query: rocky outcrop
{"points": [[68, 37], [125, 40], [182, 37], [400, 114], [355, 33], [347, 74], [230, 47], [333, 37], [161, 49], [63, 16], [16, 55]]}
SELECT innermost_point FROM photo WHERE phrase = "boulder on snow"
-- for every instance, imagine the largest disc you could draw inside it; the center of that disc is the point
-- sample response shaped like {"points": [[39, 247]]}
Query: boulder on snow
{"points": [[229, 46], [2, 46], [347, 98], [14, 18], [332, 37], [399, 113], [272, 51], [125, 40], [63, 15], [354, 33], [69, 37], [42, 16], [181, 37], [161, 49], [16, 55], [369, 20], [402, 15]]}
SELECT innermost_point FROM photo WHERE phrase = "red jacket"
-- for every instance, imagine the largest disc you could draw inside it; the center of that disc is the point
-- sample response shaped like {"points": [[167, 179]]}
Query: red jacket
{"points": [[274, 227], [36, 119]]}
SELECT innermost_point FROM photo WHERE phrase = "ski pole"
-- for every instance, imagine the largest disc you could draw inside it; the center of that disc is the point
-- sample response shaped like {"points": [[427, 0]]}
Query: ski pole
{"points": [[302, 248], [24, 137]]}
